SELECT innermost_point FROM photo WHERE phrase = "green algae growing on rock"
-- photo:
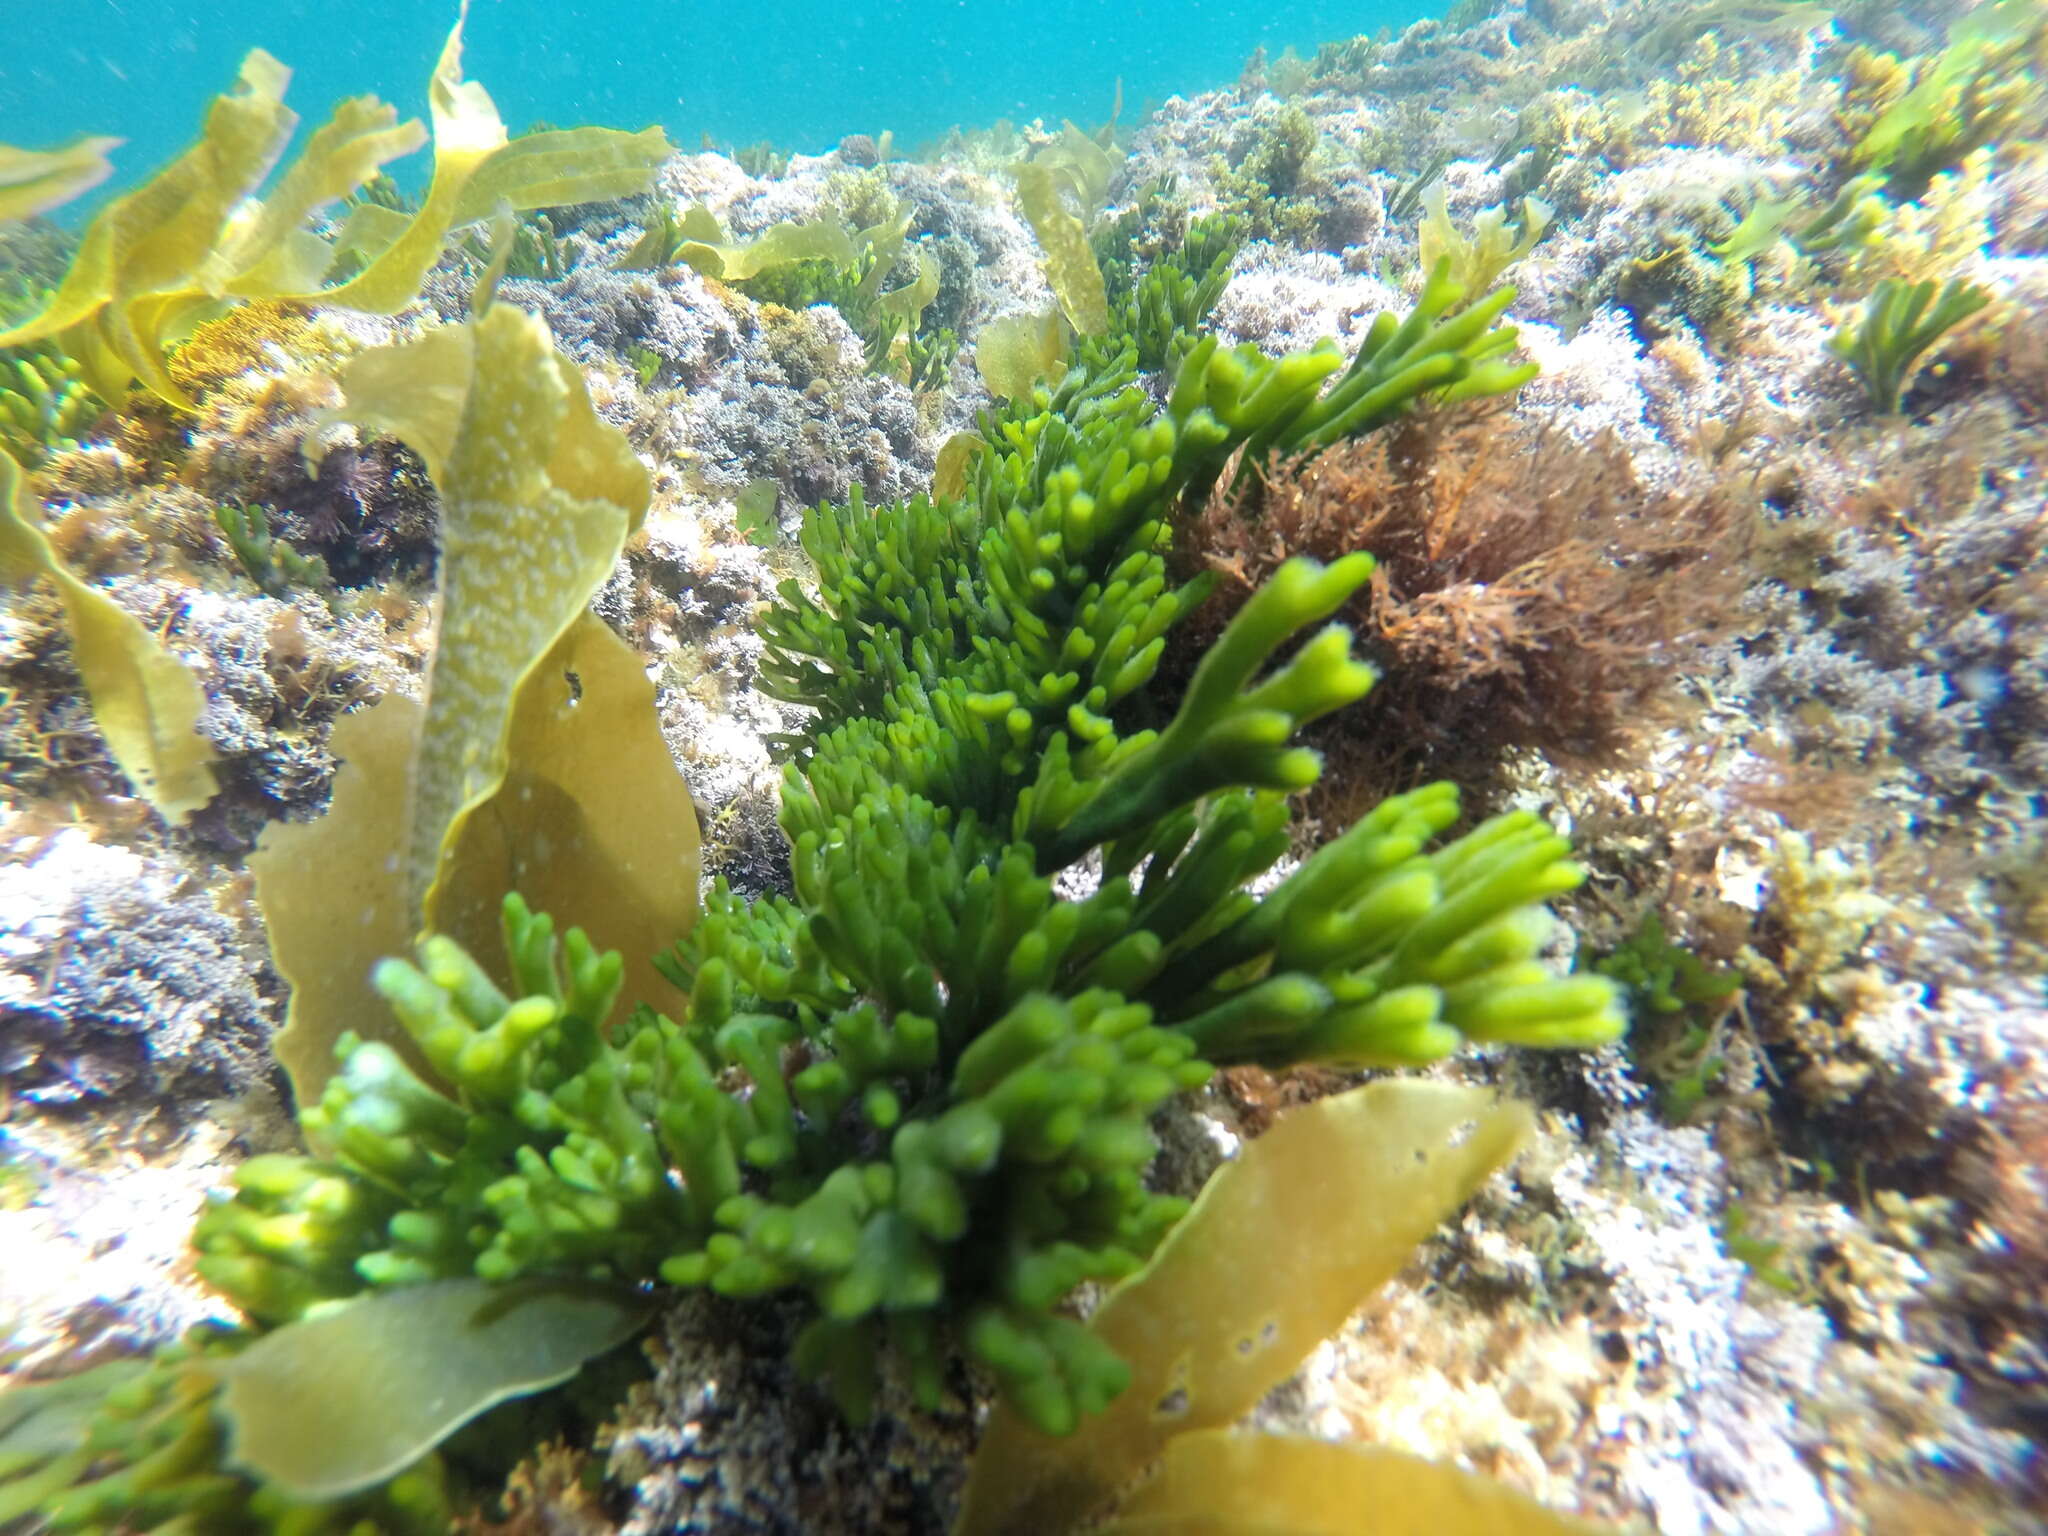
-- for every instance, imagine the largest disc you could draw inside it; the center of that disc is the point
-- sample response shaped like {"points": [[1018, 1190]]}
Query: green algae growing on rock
{"points": [[1855, 672], [1050, 1027]]}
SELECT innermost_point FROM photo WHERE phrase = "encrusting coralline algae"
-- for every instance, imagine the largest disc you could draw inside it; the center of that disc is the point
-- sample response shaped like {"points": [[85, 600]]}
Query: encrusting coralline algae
{"points": [[1774, 1263]]}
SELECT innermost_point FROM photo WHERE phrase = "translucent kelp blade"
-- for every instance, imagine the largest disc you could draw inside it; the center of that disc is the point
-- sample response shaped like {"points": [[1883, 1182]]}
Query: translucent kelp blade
{"points": [[476, 168], [1016, 352], [592, 819], [192, 235], [343, 153], [334, 898], [34, 181], [157, 235], [537, 497], [1280, 1247], [1069, 260], [514, 777], [346, 1398], [707, 249], [1220, 1482], [158, 239], [565, 166], [144, 700]]}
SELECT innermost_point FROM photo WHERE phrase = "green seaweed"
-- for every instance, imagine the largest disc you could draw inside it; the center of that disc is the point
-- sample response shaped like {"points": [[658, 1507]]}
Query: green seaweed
{"points": [[1670, 988], [1170, 302], [1899, 323], [918, 1095], [928, 359], [1977, 90], [136, 1445], [45, 407], [535, 252], [964, 1142], [1760, 1256], [272, 564], [1663, 976]]}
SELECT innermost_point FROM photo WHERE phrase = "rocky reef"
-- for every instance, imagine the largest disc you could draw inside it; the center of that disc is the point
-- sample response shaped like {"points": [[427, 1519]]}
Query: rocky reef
{"points": [[966, 516]]}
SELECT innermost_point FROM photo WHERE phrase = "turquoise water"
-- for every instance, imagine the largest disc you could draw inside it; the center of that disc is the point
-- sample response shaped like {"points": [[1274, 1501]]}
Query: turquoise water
{"points": [[800, 72]]}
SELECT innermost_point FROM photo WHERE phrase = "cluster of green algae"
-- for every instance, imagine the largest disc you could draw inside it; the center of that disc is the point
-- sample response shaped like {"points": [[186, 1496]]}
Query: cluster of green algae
{"points": [[820, 261], [920, 1091]]}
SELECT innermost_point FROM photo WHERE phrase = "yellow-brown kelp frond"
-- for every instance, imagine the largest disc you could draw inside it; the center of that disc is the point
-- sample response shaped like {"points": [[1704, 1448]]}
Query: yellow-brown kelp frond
{"points": [[34, 181], [335, 1404], [510, 775], [1280, 1247], [1220, 1481], [1017, 352], [145, 250], [144, 701], [698, 240], [161, 258], [1070, 265], [476, 168]]}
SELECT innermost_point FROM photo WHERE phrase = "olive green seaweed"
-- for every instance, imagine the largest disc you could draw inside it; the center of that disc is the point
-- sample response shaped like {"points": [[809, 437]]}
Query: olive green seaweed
{"points": [[268, 561], [340, 1401], [1899, 323]]}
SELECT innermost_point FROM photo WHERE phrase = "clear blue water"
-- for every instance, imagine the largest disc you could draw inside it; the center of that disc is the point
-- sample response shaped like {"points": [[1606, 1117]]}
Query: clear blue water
{"points": [[802, 73]]}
